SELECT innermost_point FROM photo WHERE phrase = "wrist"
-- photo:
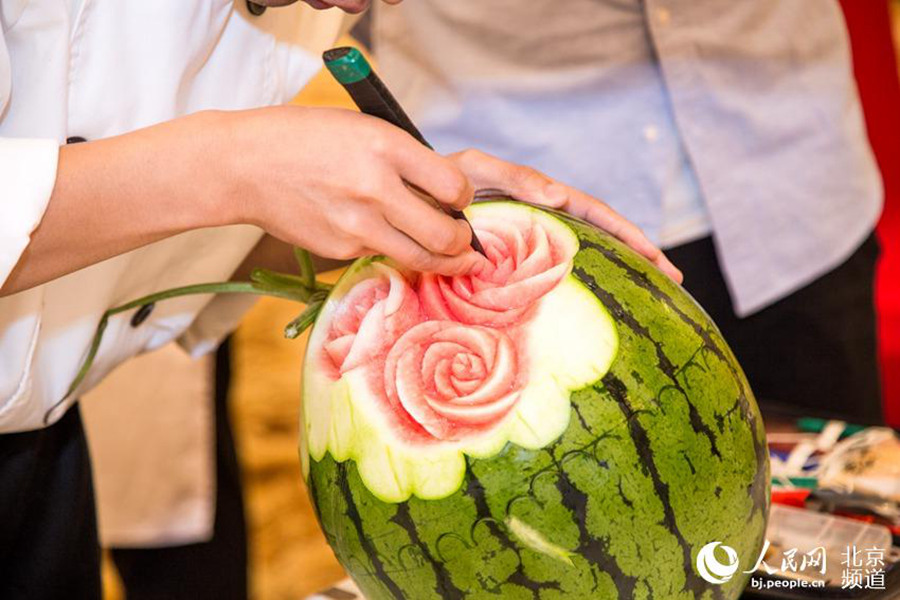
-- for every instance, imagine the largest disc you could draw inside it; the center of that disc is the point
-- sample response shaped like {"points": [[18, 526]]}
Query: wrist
{"points": [[210, 163]]}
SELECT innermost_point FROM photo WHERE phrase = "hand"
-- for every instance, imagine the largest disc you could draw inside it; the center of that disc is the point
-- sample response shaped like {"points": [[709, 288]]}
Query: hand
{"points": [[335, 182], [349, 6], [337, 185], [524, 183]]}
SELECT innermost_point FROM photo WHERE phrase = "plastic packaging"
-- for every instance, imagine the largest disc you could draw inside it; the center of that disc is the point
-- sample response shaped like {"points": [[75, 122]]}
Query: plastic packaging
{"points": [[813, 534]]}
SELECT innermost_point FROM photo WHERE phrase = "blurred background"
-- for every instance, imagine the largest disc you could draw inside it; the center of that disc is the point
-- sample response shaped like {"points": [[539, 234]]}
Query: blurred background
{"points": [[288, 557]]}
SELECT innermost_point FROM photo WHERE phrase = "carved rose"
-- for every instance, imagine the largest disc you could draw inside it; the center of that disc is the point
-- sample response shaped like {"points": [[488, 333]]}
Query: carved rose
{"points": [[369, 320], [452, 378], [526, 263]]}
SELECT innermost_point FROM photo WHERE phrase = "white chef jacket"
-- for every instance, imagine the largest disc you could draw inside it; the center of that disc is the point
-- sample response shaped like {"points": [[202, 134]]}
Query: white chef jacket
{"points": [[100, 68]]}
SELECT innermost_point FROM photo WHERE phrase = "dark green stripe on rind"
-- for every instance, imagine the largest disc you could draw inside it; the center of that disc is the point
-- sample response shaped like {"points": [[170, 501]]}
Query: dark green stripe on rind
{"points": [[660, 458], [476, 491], [662, 360], [352, 512], [594, 549], [692, 315], [599, 477], [445, 587], [709, 376], [617, 389]]}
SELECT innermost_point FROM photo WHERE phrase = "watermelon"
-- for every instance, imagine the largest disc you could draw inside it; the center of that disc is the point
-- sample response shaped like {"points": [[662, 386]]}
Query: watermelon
{"points": [[565, 423]]}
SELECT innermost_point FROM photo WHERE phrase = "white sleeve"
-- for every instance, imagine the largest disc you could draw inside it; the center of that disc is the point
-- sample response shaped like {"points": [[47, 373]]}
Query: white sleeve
{"points": [[27, 175]]}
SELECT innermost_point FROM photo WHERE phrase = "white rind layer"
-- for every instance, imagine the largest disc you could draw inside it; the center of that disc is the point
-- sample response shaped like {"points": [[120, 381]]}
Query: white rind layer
{"points": [[570, 343]]}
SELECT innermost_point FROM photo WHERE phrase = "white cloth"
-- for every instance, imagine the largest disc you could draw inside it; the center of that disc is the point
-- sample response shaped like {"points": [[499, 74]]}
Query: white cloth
{"points": [[96, 69], [150, 428]]}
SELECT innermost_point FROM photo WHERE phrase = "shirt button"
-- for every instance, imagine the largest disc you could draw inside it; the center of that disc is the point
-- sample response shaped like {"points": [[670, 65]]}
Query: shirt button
{"points": [[663, 16], [651, 133], [75, 139], [141, 314], [255, 9]]}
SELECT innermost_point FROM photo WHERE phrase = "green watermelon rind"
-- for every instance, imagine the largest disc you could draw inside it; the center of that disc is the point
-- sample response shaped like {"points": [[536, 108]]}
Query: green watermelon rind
{"points": [[571, 343], [628, 495]]}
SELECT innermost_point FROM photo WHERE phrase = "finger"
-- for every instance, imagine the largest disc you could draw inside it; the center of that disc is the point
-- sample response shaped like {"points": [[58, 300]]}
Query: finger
{"points": [[318, 4], [600, 214], [489, 172], [436, 175], [425, 224], [387, 240], [667, 267], [352, 7], [530, 185]]}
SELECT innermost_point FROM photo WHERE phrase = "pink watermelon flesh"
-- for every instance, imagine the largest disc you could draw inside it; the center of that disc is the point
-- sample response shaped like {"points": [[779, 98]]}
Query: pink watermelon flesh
{"points": [[445, 356], [527, 263], [369, 320], [452, 379]]}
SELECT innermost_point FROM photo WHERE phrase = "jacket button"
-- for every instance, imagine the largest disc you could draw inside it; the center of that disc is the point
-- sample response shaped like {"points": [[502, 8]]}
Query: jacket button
{"points": [[254, 8], [75, 139], [141, 314]]}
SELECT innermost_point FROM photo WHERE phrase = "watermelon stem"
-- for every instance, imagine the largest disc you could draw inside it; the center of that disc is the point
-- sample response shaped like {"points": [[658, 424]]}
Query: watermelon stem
{"points": [[307, 270], [307, 317], [263, 283], [266, 279], [282, 282]]}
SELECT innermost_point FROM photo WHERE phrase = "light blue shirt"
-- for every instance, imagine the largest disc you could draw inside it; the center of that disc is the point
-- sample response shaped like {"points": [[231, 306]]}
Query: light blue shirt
{"points": [[735, 117]]}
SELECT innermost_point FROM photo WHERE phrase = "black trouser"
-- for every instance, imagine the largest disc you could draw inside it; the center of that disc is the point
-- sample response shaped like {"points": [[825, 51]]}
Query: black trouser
{"points": [[48, 528], [811, 353]]}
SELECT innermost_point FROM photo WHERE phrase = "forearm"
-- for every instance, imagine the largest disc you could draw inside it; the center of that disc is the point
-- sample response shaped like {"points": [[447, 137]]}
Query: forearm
{"points": [[328, 180], [121, 193]]}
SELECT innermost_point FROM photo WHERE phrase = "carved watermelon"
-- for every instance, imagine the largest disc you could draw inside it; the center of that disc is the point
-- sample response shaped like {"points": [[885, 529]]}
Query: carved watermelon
{"points": [[566, 424]]}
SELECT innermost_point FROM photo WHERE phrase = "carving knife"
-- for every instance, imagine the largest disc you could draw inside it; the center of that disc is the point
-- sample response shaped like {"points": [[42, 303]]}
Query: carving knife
{"points": [[351, 69]]}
